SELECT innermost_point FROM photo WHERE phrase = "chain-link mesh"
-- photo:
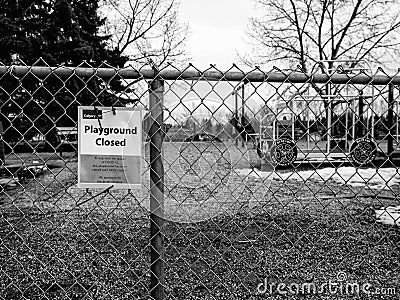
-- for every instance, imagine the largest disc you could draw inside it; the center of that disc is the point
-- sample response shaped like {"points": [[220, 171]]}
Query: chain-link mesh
{"points": [[255, 185]]}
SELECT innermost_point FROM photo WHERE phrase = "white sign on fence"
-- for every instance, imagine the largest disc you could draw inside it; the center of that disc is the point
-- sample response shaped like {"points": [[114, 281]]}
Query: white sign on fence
{"points": [[109, 147]]}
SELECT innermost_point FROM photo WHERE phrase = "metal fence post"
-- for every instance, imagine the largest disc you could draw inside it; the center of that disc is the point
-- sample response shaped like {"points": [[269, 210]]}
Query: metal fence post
{"points": [[236, 117], [360, 121], [390, 122], [156, 134], [242, 119]]}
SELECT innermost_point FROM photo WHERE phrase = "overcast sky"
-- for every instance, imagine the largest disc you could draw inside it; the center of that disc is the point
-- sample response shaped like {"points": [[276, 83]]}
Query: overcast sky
{"points": [[217, 30]]}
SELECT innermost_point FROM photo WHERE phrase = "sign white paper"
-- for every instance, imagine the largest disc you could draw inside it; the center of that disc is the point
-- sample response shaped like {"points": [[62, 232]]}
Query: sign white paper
{"points": [[109, 147]]}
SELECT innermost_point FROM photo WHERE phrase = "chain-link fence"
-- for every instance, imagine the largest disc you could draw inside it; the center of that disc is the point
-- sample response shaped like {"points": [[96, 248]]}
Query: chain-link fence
{"points": [[254, 185]]}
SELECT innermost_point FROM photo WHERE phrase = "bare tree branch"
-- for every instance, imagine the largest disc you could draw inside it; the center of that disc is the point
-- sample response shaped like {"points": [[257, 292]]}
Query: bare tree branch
{"points": [[144, 29], [353, 30]]}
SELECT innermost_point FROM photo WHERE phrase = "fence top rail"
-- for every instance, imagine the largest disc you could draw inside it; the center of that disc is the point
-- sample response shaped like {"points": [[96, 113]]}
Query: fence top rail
{"points": [[209, 75]]}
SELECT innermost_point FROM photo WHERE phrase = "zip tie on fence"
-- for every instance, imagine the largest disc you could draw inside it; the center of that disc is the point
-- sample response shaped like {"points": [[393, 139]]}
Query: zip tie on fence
{"points": [[11, 70], [12, 67], [94, 196], [96, 111], [113, 110]]}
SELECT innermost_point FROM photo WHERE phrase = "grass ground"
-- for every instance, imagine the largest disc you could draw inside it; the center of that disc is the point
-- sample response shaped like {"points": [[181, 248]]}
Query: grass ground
{"points": [[58, 242], [39, 158]]}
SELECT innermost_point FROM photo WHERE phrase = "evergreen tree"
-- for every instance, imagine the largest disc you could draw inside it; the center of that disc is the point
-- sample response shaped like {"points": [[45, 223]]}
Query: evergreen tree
{"points": [[60, 32]]}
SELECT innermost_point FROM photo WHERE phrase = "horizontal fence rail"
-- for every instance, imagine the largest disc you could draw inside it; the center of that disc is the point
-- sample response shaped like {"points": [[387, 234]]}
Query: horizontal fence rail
{"points": [[211, 75]]}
